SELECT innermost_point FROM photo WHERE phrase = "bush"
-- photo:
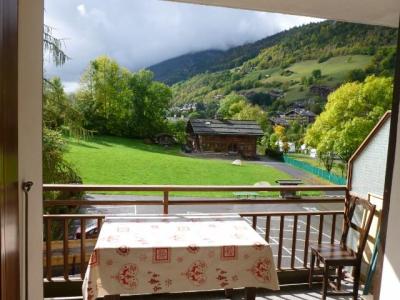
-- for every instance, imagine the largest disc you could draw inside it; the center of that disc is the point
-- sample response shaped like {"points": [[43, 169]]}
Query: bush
{"points": [[324, 58], [356, 75], [273, 153]]}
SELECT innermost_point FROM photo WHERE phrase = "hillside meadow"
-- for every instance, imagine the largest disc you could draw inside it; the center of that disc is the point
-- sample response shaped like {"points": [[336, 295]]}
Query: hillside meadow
{"points": [[113, 160]]}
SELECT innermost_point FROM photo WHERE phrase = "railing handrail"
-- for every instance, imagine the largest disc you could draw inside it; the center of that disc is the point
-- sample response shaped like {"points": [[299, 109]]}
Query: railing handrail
{"points": [[243, 214], [188, 188], [199, 201]]}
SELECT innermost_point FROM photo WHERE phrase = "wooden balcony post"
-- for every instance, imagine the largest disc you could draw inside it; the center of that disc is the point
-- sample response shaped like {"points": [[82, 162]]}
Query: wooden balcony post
{"points": [[66, 249], [165, 202], [83, 247]]}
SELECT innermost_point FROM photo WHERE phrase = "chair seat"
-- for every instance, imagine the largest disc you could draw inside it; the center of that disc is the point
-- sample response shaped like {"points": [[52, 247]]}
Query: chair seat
{"points": [[334, 254]]}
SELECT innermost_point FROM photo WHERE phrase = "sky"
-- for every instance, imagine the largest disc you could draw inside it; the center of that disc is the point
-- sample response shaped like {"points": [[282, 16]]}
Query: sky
{"points": [[140, 33]]}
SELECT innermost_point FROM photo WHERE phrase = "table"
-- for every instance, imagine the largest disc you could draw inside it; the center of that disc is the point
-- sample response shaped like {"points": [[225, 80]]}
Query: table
{"points": [[291, 182], [177, 253]]}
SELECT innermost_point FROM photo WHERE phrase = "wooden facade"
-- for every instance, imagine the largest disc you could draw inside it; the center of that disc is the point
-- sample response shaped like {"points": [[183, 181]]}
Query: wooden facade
{"points": [[229, 137]]}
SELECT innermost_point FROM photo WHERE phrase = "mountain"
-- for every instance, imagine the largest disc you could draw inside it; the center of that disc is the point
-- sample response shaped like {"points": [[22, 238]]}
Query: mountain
{"points": [[316, 40], [298, 67], [186, 66]]}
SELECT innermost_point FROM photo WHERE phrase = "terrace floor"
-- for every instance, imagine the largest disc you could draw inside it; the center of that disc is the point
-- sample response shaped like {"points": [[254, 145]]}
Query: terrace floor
{"points": [[295, 292]]}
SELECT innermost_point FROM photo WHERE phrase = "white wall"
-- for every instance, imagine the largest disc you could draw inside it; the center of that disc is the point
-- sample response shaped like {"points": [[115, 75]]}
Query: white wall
{"points": [[390, 286], [30, 134], [369, 168]]}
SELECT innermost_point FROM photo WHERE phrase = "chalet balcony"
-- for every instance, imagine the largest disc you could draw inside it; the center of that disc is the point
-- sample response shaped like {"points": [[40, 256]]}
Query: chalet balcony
{"points": [[289, 218]]}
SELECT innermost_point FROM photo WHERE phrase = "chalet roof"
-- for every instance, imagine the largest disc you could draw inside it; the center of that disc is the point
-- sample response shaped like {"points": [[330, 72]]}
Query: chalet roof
{"points": [[279, 121], [301, 112], [225, 127]]}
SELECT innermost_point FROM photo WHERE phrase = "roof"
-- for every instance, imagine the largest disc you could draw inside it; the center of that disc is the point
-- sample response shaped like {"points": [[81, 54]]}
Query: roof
{"points": [[373, 12], [302, 112], [279, 121], [225, 127]]}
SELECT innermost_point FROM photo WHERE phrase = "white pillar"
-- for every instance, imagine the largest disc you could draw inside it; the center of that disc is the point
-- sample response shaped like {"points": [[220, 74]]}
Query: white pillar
{"points": [[30, 57]]}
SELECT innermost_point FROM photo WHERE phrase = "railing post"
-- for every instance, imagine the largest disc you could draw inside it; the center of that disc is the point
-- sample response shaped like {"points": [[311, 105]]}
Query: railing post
{"points": [[66, 249], [165, 202], [48, 249], [83, 247]]}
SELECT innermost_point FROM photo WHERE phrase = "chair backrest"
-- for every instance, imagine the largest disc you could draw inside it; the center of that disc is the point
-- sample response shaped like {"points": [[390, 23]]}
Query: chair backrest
{"points": [[357, 222]]}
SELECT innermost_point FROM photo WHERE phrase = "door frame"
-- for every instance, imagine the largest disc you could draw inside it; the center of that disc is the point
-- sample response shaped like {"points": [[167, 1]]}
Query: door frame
{"points": [[9, 186]]}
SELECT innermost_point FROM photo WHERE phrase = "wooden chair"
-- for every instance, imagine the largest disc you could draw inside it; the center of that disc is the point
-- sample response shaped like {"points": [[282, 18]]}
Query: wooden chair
{"points": [[349, 252]]}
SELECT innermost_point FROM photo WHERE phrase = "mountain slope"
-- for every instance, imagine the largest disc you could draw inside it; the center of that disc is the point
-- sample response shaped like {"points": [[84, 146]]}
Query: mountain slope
{"points": [[186, 66], [312, 41]]}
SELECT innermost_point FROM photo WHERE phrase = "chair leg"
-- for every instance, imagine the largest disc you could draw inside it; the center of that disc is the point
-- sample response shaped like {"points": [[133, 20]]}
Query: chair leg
{"points": [[311, 272], [325, 282], [339, 278], [356, 283]]}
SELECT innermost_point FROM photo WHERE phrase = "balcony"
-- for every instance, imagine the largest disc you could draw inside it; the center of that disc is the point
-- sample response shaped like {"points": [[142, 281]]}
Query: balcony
{"points": [[289, 223]]}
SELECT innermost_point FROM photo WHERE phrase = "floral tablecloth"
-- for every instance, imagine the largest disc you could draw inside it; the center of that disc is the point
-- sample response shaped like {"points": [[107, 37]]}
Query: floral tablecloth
{"points": [[177, 253]]}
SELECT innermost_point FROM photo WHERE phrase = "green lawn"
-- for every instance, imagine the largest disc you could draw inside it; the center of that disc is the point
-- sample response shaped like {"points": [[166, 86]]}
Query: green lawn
{"points": [[317, 163], [334, 71], [111, 160]]}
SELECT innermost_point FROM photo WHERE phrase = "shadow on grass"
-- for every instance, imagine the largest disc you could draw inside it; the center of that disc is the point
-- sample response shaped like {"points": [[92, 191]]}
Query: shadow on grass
{"points": [[137, 144], [81, 144]]}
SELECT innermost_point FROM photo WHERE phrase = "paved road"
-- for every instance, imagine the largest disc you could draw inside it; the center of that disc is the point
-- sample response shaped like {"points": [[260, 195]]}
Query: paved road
{"points": [[292, 171], [261, 222]]}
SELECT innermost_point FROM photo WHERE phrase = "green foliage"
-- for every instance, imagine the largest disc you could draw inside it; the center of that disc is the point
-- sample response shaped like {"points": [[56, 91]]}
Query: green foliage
{"points": [[350, 114], [117, 102], [55, 168], [236, 107], [150, 101], [295, 133], [383, 62], [60, 112], [178, 131], [317, 74], [357, 75], [231, 105], [104, 96]]}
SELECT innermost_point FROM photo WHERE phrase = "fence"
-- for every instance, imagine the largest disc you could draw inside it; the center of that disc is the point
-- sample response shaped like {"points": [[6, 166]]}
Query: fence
{"points": [[316, 171]]}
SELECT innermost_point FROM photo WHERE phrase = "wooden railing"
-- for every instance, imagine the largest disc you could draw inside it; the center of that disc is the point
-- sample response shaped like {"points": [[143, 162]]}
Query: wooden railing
{"points": [[288, 232]]}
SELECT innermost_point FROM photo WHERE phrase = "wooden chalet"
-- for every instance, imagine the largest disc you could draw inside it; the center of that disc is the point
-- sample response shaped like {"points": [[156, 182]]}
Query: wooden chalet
{"points": [[224, 136]]}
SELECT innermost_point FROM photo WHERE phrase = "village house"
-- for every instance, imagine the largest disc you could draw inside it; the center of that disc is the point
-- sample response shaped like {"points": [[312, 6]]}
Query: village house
{"points": [[224, 136], [303, 116]]}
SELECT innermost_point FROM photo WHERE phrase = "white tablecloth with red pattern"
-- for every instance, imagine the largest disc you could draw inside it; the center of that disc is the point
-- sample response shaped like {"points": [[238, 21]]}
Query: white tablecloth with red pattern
{"points": [[177, 253]]}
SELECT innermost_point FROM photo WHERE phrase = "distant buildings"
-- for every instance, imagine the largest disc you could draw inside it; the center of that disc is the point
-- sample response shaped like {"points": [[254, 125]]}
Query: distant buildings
{"points": [[301, 115], [224, 136]]}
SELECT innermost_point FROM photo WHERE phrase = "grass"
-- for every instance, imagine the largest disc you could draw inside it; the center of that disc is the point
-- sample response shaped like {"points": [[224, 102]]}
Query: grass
{"points": [[112, 160], [315, 162], [334, 71]]}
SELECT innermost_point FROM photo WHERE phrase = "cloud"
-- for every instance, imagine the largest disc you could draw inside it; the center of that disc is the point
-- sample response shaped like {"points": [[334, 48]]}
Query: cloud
{"points": [[81, 9], [139, 33]]}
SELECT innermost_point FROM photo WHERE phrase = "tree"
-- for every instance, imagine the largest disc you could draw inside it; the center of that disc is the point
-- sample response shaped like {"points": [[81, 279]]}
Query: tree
{"points": [[280, 131], [225, 111], [118, 102], [356, 75], [58, 113], [104, 96], [350, 114], [317, 74], [150, 101], [53, 46]]}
